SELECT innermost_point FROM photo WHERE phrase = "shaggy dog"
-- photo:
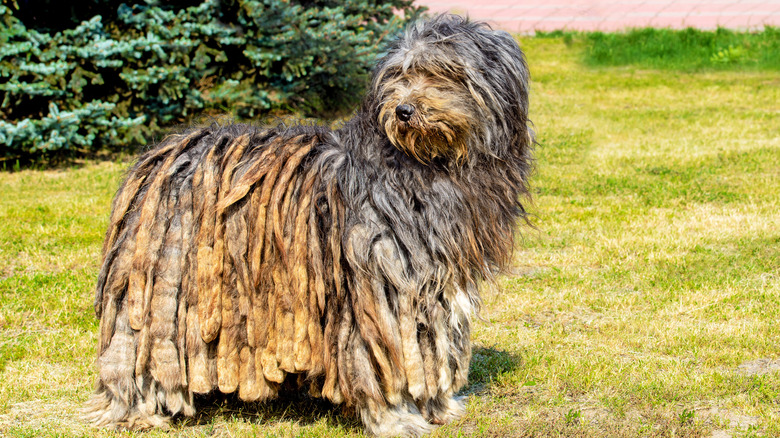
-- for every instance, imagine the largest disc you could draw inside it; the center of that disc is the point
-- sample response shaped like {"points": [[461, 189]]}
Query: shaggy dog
{"points": [[348, 261]]}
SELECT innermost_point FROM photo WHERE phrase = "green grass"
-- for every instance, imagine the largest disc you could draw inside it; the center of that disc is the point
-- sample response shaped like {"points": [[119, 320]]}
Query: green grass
{"points": [[687, 50], [641, 305]]}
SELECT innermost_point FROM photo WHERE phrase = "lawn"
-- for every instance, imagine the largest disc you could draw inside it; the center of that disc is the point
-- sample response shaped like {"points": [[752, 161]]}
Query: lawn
{"points": [[643, 303]]}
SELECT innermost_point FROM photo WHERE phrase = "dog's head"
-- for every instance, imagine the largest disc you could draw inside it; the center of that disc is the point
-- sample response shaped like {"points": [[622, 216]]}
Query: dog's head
{"points": [[451, 89]]}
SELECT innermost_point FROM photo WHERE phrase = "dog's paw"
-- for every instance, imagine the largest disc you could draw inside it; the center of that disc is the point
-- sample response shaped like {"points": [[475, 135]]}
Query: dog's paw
{"points": [[403, 420], [455, 407], [444, 410], [103, 410]]}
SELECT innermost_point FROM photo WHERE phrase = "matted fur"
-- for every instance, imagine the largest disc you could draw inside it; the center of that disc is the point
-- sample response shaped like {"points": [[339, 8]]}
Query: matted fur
{"points": [[349, 261]]}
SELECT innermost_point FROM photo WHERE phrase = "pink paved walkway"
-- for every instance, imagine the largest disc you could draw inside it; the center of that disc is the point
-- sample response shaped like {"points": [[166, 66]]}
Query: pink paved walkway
{"points": [[526, 16]]}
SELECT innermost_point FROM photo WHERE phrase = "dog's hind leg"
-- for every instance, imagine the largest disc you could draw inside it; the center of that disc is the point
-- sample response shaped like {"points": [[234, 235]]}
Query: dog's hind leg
{"points": [[116, 398], [139, 300]]}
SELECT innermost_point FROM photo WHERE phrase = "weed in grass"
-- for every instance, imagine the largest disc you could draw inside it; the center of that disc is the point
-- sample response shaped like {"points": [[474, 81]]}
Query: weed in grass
{"points": [[686, 417], [729, 55], [573, 417]]}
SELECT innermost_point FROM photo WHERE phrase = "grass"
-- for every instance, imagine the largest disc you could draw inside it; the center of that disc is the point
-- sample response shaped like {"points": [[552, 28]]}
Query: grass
{"points": [[644, 303], [687, 50]]}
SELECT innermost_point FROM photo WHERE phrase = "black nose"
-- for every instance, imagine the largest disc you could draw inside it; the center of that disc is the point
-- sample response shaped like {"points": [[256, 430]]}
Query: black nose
{"points": [[404, 112]]}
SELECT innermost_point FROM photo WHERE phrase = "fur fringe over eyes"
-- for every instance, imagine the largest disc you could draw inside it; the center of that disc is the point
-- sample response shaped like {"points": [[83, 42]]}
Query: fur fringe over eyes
{"points": [[348, 261]]}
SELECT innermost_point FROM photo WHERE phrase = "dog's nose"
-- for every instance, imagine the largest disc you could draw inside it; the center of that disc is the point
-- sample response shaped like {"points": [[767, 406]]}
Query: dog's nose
{"points": [[404, 112]]}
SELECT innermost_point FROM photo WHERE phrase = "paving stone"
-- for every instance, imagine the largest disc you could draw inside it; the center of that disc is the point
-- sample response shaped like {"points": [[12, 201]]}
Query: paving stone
{"points": [[528, 16]]}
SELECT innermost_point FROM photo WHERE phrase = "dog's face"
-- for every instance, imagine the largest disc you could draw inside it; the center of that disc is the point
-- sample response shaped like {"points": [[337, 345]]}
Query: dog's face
{"points": [[449, 88], [427, 112]]}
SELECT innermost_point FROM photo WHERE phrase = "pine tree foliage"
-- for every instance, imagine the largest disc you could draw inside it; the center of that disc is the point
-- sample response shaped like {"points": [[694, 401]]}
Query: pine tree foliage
{"points": [[117, 79]]}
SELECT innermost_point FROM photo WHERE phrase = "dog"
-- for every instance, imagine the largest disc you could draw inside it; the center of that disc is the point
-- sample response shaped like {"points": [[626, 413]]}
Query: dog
{"points": [[245, 259]]}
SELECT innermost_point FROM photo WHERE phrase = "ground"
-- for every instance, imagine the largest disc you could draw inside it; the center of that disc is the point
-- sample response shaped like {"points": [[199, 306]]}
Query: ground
{"points": [[642, 302]]}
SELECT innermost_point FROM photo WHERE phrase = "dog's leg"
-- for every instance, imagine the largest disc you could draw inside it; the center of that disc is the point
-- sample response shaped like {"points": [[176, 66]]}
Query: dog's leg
{"points": [[403, 420], [117, 401], [443, 409]]}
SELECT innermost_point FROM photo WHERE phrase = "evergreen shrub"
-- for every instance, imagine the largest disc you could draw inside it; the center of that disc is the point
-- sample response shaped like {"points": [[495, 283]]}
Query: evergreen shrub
{"points": [[116, 79]]}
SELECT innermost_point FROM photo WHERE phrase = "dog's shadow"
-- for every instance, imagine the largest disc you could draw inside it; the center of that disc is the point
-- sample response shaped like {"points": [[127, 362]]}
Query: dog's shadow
{"points": [[291, 405], [487, 365]]}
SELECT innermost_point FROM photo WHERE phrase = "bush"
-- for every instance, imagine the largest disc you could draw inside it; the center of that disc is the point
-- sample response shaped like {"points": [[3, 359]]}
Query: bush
{"points": [[114, 80]]}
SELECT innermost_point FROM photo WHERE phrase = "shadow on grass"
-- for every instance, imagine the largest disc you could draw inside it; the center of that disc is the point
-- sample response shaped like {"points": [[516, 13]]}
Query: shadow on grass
{"points": [[293, 405], [488, 364], [297, 406]]}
